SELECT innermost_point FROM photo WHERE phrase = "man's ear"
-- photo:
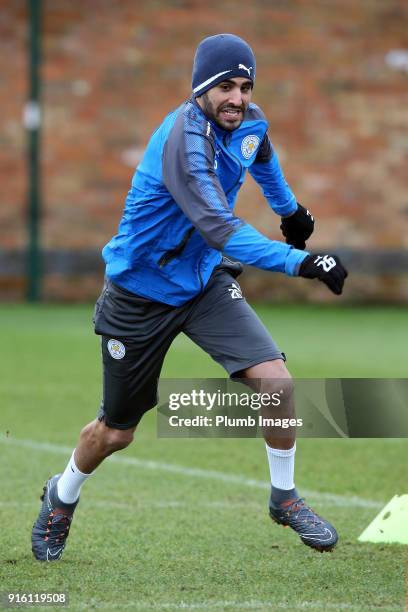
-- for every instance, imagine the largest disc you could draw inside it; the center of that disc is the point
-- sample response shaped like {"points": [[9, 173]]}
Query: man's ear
{"points": [[200, 100]]}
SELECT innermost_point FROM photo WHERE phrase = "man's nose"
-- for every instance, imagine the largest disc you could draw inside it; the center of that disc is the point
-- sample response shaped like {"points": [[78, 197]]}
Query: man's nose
{"points": [[235, 97]]}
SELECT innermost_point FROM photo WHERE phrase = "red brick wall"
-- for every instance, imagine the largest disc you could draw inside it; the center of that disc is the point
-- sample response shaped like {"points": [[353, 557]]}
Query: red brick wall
{"points": [[112, 70]]}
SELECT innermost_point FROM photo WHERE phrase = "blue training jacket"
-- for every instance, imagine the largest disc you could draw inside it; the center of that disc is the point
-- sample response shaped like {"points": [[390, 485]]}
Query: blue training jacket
{"points": [[179, 213]]}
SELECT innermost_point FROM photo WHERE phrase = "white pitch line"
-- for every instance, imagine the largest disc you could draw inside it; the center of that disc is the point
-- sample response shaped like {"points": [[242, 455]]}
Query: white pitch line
{"points": [[237, 605], [138, 505], [328, 498]]}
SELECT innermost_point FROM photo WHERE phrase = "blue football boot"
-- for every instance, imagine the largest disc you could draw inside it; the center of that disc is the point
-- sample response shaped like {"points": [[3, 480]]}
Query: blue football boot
{"points": [[51, 529], [312, 529]]}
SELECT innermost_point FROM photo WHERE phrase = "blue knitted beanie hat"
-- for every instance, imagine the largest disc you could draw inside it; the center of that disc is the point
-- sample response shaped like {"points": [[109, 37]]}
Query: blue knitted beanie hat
{"points": [[221, 57]]}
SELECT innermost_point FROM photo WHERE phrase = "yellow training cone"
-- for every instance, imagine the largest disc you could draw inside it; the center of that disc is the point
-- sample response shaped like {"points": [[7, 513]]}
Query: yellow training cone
{"points": [[391, 524]]}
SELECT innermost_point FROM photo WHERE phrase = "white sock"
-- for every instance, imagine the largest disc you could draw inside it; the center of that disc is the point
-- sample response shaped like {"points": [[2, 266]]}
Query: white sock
{"points": [[282, 467], [69, 485]]}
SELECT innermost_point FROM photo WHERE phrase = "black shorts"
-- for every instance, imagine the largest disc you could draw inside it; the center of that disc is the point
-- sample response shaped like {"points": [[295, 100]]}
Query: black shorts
{"points": [[137, 333]]}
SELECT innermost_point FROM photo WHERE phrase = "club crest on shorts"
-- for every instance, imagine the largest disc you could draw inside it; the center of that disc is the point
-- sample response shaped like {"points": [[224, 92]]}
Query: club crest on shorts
{"points": [[249, 145], [116, 349]]}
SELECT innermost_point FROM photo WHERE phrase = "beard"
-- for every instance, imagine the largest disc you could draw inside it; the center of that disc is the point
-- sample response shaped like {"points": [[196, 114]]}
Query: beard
{"points": [[227, 116]]}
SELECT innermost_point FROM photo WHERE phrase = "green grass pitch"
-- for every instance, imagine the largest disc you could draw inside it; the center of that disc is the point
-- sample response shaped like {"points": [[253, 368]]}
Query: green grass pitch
{"points": [[182, 524]]}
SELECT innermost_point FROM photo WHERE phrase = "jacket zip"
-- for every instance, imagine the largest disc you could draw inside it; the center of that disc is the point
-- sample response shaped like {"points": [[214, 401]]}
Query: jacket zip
{"points": [[200, 278], [177, 251], [226, 144], [226, 193]]}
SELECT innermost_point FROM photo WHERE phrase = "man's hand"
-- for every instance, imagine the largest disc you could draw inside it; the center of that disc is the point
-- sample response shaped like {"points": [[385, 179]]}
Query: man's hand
{"points": [[298, 227], [327, 268]]}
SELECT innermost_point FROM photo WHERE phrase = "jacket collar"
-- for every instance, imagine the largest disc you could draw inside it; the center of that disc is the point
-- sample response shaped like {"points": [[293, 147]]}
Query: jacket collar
{"points": [[221, 133]]}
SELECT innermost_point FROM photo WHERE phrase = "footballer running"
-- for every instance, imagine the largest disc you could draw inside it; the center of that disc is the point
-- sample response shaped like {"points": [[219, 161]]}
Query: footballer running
{"points": [[173, 267]]}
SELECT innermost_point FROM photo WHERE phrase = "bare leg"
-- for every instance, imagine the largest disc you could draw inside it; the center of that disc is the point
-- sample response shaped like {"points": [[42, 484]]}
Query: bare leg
{"points": [[51, 529], [97, 441], [272, 377]]}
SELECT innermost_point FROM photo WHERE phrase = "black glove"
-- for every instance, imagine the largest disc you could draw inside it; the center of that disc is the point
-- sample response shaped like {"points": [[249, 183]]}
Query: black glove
{"points": [[327, 268], [298, 227]]}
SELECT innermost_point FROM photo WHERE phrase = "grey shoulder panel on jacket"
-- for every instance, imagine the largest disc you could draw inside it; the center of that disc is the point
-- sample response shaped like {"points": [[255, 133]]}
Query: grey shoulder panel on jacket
{"points": [[189, 120], [254, 113], [265, 151], [189, 176], [190, 125], [196, 122]]}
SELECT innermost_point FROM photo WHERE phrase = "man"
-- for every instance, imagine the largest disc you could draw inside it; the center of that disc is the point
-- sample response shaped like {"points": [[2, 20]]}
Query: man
{"points": [[167, 271]]}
